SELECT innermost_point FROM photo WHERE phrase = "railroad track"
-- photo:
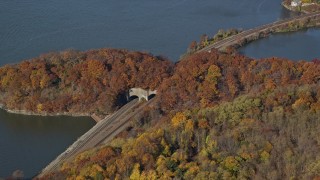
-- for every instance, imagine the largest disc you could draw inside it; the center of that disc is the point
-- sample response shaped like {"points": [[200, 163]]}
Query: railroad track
{"points": [[105, 129], [125, 122], [230, 40]]}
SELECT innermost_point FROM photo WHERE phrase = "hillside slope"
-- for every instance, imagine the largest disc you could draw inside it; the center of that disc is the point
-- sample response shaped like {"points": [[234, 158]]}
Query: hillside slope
{"points": [[77, 83], [219, 116]]}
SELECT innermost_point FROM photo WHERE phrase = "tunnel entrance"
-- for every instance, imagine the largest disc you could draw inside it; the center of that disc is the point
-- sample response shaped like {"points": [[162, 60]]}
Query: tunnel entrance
{"points": [[121, 99], [151, 96], [141, 94], [132, 98]]}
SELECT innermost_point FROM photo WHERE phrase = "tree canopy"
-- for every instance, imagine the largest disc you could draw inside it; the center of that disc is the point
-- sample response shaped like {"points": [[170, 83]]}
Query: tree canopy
{"points": [[217, 115]]}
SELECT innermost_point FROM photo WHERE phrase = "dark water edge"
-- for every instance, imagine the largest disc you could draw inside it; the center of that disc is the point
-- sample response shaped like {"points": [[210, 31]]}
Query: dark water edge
{"points": [[29, 143], [301, 45], [33, 27]]}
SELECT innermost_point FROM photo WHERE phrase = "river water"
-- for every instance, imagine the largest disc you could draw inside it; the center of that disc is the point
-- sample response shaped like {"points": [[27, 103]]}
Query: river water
{"points": [[30, 28], [302, 45], [28, 143]]}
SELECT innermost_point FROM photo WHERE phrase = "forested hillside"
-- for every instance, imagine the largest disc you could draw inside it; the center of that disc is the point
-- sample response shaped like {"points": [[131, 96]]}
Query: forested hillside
{"points": [[206, 79], [76, 82], [218, 116]]}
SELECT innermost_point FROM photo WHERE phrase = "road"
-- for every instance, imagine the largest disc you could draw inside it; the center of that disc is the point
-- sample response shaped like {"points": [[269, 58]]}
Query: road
{"points": [[104, 131], [232, 40]]}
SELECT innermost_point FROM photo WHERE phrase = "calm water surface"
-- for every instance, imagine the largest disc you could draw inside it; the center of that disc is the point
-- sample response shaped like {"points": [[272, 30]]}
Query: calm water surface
{"points": [[302, 45], [30, 142], [166, 27], [32, 27]]}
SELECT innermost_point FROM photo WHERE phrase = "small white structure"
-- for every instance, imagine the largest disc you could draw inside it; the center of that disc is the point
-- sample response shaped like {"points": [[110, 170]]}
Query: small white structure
{"points": [[141, 93], [295, 3]]}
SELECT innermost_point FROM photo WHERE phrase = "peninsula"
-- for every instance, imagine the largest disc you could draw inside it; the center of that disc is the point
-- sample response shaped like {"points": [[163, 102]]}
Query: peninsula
{"points": [[216, 114]]}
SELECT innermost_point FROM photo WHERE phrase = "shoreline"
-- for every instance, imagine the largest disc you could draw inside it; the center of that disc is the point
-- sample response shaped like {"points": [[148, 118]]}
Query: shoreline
{"points": [[303, 21], [289, 8], [93, 116], [30, 113]]}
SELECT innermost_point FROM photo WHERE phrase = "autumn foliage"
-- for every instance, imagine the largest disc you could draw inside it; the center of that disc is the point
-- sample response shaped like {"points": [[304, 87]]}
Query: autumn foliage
{"points": [[217, 115], [75, 82], [256, 136], [206, 79]]}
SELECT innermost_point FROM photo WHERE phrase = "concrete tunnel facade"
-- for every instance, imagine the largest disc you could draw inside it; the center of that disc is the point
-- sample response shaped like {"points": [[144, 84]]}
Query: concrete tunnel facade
{"points": [[141, 93]]}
